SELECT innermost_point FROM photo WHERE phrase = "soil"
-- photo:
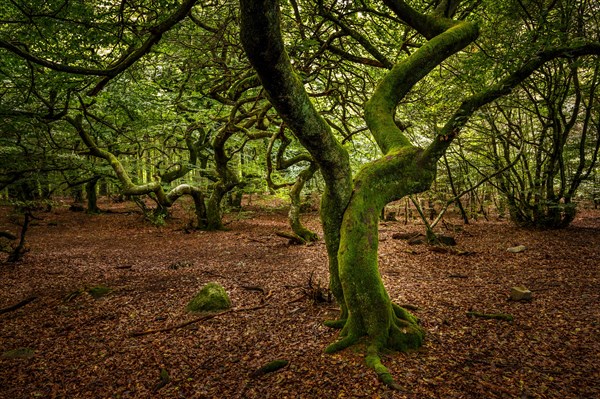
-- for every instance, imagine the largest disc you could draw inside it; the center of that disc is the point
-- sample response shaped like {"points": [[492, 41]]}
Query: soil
{"points": [[88, 348]]}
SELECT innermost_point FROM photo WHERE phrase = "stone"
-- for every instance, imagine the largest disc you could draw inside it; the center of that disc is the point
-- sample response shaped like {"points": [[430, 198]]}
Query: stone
{"points": [[520, 293], [211, 298], [517, 249]]}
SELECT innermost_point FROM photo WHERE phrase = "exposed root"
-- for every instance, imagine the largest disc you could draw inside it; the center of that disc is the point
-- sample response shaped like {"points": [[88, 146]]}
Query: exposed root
{"points": [[404, 314], [342, 344], [404, 334], [373, 360], [337, 324]]}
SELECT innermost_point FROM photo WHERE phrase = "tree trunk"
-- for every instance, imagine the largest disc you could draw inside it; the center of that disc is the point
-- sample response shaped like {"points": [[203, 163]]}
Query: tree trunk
{"points": [[214, 218], [294, 212], [92, 197], [371, 313]]}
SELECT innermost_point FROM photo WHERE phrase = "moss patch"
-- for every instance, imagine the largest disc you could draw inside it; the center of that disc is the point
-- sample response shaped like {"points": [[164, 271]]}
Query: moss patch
{"points": [[212, 297], [19, 353], [98, 291]]}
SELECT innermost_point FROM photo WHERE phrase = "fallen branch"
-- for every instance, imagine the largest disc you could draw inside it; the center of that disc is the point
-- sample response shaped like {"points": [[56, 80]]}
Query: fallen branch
{"points": [[18, 305], [196, 320], [269, 368], [495, 316], [294, 239], [8, 235], [253, 288]]}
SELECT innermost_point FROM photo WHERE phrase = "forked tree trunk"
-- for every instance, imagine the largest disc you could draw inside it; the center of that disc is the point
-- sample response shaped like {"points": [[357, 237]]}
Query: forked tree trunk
{"points": [[350, 212], [371, 313]]}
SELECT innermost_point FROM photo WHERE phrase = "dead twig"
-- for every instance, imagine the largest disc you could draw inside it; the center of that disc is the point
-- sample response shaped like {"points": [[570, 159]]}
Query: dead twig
{"points": [[18, 305], [196, 320], [495, 316], [253, 288]]}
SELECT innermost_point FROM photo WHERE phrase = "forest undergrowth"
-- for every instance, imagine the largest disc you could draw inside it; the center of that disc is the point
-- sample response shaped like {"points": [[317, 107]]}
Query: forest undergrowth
{"points": [[99, 281]]}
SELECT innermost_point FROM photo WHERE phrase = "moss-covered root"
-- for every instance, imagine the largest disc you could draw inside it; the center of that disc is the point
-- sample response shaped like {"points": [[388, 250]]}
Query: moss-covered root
{"points": [[404, 334], [343, 343], [338, 324], [373, 360], [404, 314]]}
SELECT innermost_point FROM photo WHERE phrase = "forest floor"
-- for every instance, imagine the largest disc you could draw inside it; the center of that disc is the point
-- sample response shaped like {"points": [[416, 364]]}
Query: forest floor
{"points": [[75, 346]]}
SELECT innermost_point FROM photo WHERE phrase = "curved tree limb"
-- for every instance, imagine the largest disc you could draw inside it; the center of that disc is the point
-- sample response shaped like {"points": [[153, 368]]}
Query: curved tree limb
{"points": [[381, 107], [165, 199], [263, 43], [451, 129], [122, 64]]}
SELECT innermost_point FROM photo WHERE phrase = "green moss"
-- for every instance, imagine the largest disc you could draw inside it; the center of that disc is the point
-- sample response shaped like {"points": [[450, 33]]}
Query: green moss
{"points": [[19, 353], [212, 297], [98, 291]]}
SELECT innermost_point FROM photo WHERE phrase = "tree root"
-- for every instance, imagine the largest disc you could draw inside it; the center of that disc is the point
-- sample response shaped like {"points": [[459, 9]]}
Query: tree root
{"points": [[373, 360], [337, 324], [403, 335], [342, 344]]}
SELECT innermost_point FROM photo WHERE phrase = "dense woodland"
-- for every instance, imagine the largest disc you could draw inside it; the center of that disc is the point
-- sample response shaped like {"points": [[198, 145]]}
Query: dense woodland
{"points": [[434, 114]]}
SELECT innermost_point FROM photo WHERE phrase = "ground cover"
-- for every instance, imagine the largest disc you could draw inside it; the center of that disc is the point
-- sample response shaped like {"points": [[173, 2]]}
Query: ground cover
{"points": [[67, 343]]}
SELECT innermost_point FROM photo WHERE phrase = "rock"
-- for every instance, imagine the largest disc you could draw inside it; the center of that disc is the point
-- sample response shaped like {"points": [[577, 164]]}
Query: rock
{"points": [[520, 293], [212, 297], [517, 249]]}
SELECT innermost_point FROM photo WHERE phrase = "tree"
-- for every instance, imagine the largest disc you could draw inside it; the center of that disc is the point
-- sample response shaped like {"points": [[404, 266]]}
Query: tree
{"points": [[350, 209], [141, 79]]}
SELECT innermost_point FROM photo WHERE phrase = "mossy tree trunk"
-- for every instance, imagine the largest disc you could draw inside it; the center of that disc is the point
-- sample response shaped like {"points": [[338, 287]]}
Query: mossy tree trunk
{"points": [[296, 187], [262, 41], [350, 211], [92, 197], [296, 203]]}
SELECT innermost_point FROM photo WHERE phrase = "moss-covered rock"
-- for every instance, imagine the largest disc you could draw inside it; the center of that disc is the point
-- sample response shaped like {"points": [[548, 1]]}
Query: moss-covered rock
{"points": [[212, 297]]}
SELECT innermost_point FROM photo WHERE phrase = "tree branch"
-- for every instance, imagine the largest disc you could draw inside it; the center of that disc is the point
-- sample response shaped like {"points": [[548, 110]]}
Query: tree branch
{"points": [[444, 138], [125, 61]]}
